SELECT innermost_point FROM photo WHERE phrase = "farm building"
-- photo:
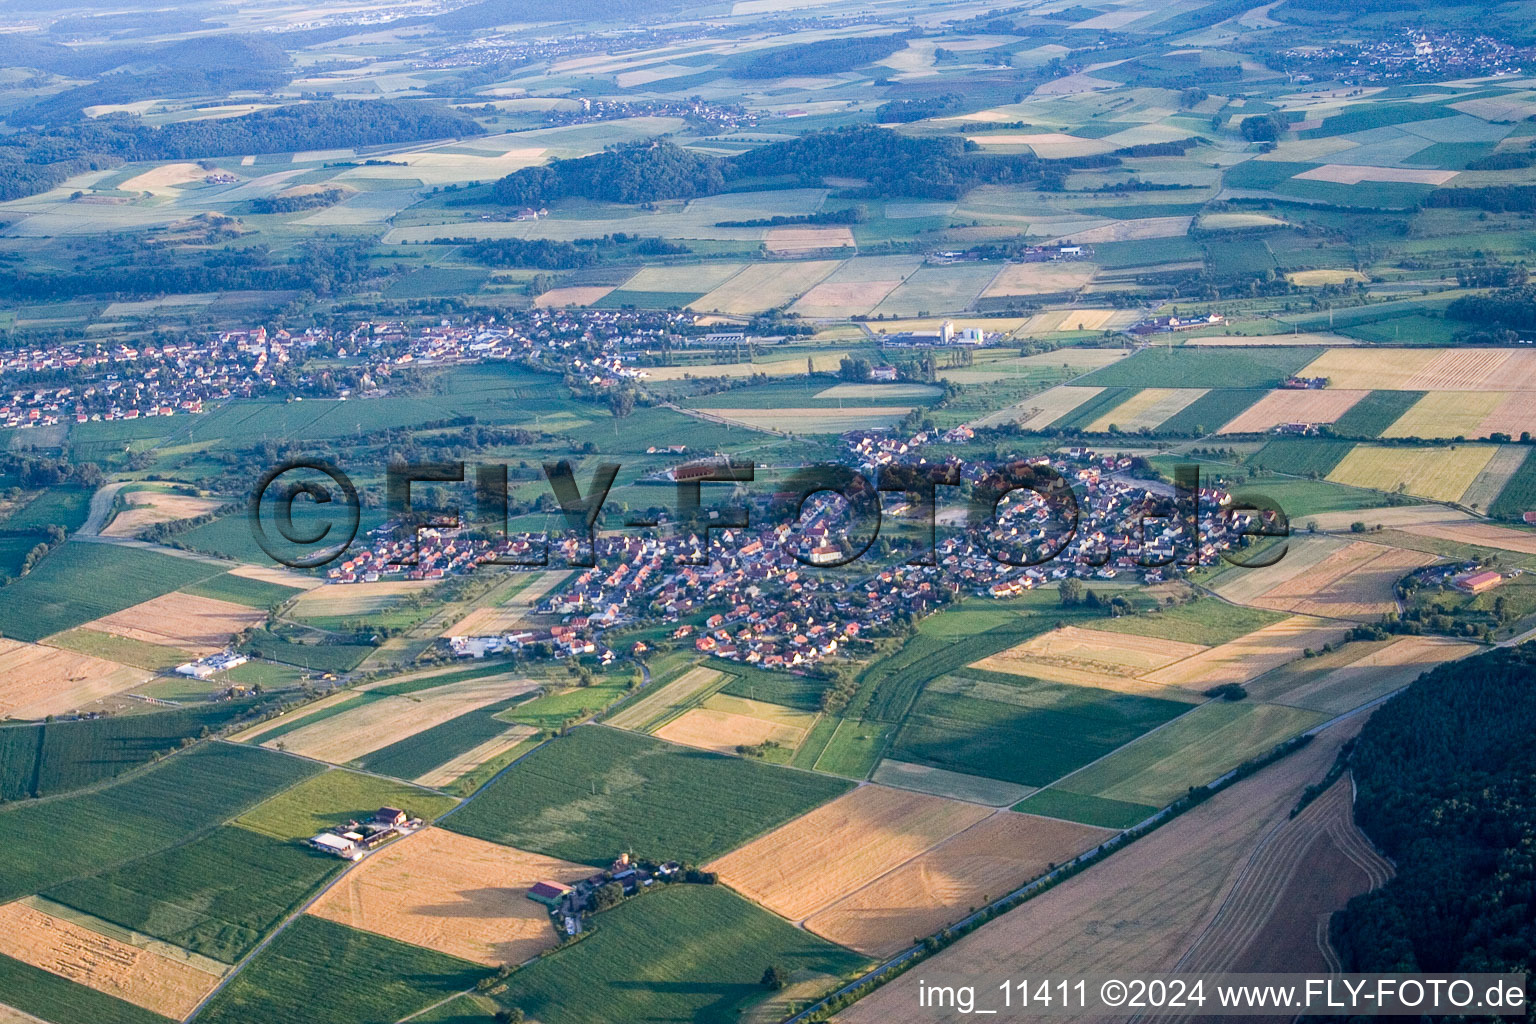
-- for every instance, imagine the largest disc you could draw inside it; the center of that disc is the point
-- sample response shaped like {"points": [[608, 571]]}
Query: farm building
{"points": [[548, 893], [335, 845], [1478, 582]]}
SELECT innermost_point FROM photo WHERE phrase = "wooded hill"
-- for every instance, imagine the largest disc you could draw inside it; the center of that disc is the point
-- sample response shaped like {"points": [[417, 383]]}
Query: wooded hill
{"points": [[1446, 787]]}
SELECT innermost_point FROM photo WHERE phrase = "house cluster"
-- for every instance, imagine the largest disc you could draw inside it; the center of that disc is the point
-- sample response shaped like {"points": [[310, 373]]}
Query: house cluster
{"points": [[946, 334], [1175, 324], [356, 839], [567, 903], [126, 382], [1304, 383], [1417, 54], [754, 594]]}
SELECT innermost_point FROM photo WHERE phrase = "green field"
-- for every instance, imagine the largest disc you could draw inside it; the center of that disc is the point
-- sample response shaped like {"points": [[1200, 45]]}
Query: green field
{"points": [[56, 999], [242, 590], [1374, 413], [1210, 412], [599, 790], [317, 657], [217, 895], [316, 963], [334, 798], [1186, 367], [800, 692], [1089, 810], [72, 755], [1202, 621], [171, 803], [1518, 495], [686, 954], [1203, 745], [1300, 498], [1303, 456], [1021, 730], [854, 749], [56, 506], [79, 582]]}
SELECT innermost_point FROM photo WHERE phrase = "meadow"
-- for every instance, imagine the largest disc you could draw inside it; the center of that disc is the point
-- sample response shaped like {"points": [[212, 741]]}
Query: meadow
{"points": [[217, 895], [163, 806], [315, 962], [683, 953], [336, 797], [600, 790]]}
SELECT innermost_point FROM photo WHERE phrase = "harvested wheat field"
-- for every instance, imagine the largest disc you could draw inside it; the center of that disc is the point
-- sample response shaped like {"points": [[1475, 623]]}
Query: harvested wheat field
{"points": [[1477, 369], [276, 574], [1039, 278], [378, 721], [1275, 918], [845, 298], [724, 723], [576, 295], [1485, 535], [1249, 656], [451, 771], [133, 974], [1440, 474], [822, 856], [1279, 407], [151, 507], [198, 625], [506, 617], [11, 1015], [165, 176], [788, 240], [1348, 678], [824, 363], [1073, 320], [1448, 414], [812, 421], [1319, 278], [1047, 146], [987, 860], [1090, 657], [1380, 369], [1039, 410], [679, 693], [452, 893], [765, 285], [1244, 586], [1146, 408], [37, 681], [1139, 910], [1353, 583], [1354, 174], [1514, 415], [1129, 231]]}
